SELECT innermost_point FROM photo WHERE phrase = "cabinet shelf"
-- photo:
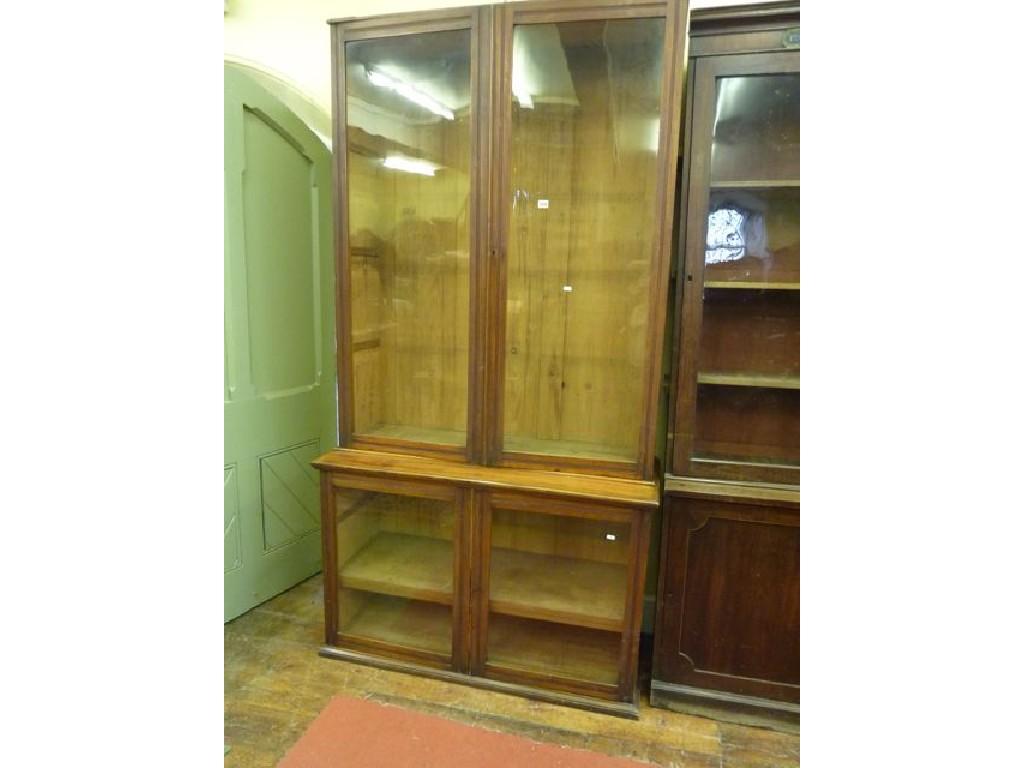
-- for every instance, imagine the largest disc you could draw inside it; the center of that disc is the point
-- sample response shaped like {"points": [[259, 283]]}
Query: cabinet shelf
{"points": [[584, 593], [416, 434], [401, 565], [749, 380], [552, 649], [566, 590], [404, 623], [752, 285], [571, 448], [756, 184]]}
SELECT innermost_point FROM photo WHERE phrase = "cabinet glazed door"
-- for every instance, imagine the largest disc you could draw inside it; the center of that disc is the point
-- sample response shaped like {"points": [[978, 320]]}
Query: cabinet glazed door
{"points": [[407, 264], [396, 560], [588, 158], [558, 608], [738, 416]]}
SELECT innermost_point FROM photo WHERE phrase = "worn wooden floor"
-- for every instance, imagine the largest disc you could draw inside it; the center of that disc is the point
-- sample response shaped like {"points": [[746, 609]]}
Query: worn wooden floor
{"points": [[275, 684]]}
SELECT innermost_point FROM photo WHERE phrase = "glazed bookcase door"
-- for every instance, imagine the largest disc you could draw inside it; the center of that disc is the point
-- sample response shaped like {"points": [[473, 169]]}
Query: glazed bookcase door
{"points": [[396, 564], [558, 608], [406, 131], [587, 148], [738, 411]]}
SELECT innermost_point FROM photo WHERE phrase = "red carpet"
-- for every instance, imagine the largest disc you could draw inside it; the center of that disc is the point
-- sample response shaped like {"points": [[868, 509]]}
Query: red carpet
{"points": [[363, 734]]}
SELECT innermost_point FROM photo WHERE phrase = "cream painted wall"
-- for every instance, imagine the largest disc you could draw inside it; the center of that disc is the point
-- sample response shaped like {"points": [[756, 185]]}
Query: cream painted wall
{"points": [[288, 42]]}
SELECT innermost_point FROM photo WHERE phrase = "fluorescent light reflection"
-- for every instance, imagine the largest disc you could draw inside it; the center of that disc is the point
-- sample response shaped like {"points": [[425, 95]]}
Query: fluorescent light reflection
{"points": [[409, 165], [409, 92]]}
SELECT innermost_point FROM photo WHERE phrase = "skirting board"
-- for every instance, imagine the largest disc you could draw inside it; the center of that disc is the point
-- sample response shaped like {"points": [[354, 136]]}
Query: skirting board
{"points": [[731, 707], [619, 708]]}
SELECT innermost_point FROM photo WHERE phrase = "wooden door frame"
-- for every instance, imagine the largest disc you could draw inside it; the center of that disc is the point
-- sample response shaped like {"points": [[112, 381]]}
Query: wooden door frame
{"points": [[672, 78], [693, 225]]}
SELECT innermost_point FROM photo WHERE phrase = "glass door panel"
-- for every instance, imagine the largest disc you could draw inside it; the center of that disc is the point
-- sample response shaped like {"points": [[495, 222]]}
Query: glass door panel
{"points": [[756, 134], [408, 116], [753, 238], [557, 599], [748, 356], [395, 570], [586, 107]]}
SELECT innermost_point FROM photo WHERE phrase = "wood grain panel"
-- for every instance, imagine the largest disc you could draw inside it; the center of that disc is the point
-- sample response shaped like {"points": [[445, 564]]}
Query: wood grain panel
{"points": [[755, 332], [729, 597], [741, 600], [748, 424]]}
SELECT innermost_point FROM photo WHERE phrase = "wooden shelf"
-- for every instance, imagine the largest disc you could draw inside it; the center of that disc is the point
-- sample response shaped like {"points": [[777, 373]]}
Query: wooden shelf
{"points": [[401, 565], [404, 623], [585, 593], [757, 184], [749, 380], [567, 590], [553, 649], [715, 490], [416, 434], [751, 285], [570, 448]]}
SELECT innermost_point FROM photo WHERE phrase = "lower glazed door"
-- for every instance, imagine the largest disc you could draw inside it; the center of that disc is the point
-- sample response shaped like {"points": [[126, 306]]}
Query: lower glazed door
{"points": [[558, 608], [396, 566]]}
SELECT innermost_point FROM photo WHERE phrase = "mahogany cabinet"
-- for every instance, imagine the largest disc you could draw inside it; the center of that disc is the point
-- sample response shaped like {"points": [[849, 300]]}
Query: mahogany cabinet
{"points": [[505, 200], [727, 635], [504, 210], [525, 581]]}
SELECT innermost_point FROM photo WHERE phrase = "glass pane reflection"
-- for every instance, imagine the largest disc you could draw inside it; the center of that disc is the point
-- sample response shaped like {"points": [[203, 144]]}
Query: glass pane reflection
{"points": [[408, 128], [757, 129], [584, 139]]}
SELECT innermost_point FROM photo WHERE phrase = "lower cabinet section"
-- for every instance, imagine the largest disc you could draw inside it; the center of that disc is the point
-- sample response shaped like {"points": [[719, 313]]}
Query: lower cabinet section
{"points": [[728, 632], [523, 580]]}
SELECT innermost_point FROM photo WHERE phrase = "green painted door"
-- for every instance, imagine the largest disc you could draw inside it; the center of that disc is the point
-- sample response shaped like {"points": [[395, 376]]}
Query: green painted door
{"points": [[279, 402]]}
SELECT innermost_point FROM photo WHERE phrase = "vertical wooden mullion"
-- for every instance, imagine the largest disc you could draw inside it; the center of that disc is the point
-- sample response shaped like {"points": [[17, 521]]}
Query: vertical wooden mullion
{"points": [[693, 271], [640, 532], [481, 88], [343, 304], [686, 140], [482, 572], [660, 631], [459, 564], [500, 115], [329, 545], [673, 69]]}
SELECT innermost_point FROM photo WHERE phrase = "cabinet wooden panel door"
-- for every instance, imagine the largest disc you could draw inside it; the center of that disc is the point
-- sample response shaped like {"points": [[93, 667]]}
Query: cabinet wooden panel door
{"points": [[560, 593], [729, 615]]}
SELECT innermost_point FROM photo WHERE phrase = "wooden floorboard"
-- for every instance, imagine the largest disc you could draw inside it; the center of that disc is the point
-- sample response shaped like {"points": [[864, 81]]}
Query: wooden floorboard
{"points": [[275, 684]]}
